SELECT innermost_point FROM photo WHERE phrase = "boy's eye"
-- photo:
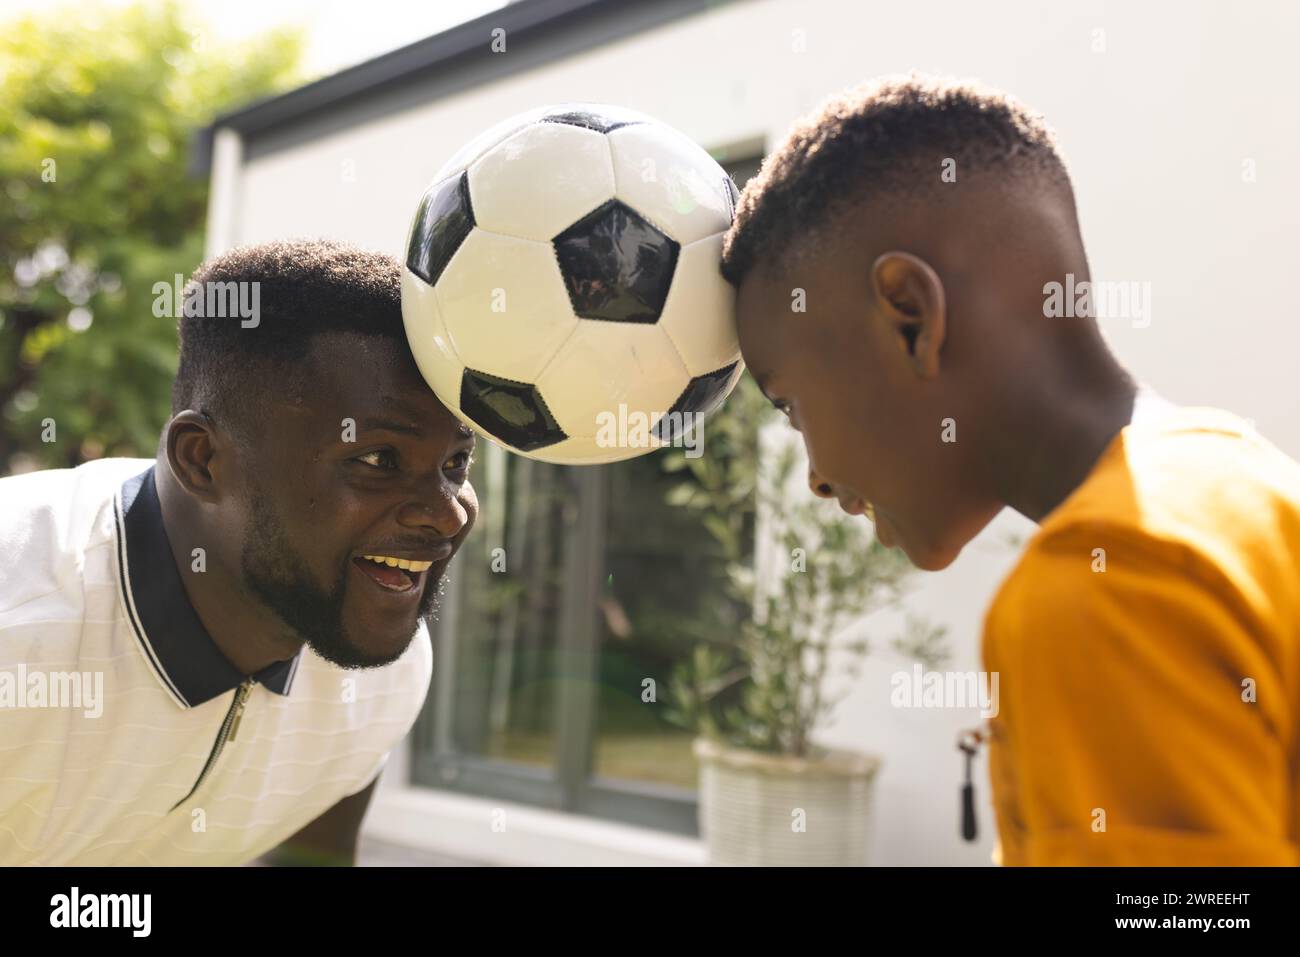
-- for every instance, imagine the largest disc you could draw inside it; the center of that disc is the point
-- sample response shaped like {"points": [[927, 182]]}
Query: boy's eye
{"points": [[460, 462], [380, 455], [786, 409]]}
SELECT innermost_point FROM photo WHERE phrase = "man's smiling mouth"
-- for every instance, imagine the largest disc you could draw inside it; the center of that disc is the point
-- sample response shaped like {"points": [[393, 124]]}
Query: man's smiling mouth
{"points": [[400, 575]]}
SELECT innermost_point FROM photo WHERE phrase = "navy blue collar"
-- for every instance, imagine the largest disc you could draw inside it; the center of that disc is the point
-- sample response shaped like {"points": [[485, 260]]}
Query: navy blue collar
{"points": [[169, 630]]}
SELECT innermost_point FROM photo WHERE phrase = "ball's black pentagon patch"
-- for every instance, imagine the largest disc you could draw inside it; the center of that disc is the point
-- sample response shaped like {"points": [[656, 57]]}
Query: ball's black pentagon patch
{"points": [[702, 395], [513, 412], [442, 222], [587, 120], [732, 195], [616, 265]]}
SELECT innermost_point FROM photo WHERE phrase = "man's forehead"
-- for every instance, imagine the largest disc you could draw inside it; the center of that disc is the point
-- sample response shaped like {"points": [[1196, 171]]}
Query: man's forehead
{"points": [[353, 365], [418, 414], [368, 378], [416, 406], [349, 355]]}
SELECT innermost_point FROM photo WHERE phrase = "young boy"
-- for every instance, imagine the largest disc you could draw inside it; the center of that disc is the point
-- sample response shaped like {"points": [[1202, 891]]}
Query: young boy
{"points": [[1148, 641]]}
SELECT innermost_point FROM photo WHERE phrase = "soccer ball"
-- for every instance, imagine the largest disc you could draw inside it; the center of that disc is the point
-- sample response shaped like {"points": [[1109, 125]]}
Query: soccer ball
{"points": [[561, 291]]}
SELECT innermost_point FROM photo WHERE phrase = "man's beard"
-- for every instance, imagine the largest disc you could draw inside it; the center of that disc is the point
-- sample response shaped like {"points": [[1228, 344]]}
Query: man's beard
{"points": [[277, 575]]}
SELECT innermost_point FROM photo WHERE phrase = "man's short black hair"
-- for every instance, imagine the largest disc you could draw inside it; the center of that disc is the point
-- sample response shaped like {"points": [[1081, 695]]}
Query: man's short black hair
{"points": [[886, 140], [231, 368]]}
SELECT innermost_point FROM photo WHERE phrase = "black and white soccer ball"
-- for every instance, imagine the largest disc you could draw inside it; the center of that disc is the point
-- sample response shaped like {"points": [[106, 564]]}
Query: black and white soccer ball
{"points": [[562, 277]]}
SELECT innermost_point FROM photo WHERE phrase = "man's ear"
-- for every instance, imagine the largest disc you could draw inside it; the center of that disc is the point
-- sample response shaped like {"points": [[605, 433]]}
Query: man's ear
{"points": [[191, 451], [912, 297]]}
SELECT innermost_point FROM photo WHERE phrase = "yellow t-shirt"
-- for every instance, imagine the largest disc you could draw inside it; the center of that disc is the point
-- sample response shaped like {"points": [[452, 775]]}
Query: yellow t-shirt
{"points": [[1148, 652]]}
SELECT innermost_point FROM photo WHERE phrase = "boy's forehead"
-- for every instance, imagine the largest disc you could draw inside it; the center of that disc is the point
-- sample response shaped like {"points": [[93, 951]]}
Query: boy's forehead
{"points": [[758, 299], [768, 304]]}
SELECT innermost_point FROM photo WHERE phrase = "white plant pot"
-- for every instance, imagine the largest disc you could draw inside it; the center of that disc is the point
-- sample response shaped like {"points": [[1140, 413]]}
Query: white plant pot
{"points": [[771, 810]]}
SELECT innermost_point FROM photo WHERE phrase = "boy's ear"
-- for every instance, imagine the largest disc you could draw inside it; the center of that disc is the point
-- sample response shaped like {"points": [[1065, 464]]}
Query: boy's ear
{"points": [[911, 296]]}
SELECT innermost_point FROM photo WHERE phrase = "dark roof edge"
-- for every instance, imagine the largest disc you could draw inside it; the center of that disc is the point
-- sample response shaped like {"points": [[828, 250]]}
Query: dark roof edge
{"points": [[523, 18]]}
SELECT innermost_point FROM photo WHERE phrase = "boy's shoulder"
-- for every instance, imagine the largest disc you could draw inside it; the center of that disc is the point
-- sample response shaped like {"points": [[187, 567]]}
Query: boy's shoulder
{"points": [[1196, 477], [1193, 498]]}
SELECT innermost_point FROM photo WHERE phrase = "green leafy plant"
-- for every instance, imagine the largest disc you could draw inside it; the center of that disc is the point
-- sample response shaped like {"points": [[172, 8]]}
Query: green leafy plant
{"points": [[761, 681], [98, 114]]}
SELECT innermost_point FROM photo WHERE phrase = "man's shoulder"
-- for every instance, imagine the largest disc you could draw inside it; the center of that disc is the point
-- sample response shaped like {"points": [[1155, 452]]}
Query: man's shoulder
{"points": [[49, 523], [61, 489]]}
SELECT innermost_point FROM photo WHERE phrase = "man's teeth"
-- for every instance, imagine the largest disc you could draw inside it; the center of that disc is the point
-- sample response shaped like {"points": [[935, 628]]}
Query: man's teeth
{"points": [[410, 566]]}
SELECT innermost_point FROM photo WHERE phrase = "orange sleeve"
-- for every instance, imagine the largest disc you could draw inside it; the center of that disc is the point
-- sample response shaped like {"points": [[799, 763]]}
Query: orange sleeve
{"points": [[1125, 733]]}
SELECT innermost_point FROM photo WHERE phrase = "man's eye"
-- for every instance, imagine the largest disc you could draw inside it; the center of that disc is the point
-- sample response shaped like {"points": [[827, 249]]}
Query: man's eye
{"points": [[461, 461], [380, 455]]}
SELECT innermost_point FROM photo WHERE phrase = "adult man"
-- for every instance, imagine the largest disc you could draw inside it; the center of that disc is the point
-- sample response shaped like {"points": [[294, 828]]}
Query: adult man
{"points": [[254, 598]]}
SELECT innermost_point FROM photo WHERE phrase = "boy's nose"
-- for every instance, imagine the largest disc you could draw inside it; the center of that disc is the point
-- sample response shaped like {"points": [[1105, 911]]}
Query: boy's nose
{"points": [[820, 487], [824, 489]]}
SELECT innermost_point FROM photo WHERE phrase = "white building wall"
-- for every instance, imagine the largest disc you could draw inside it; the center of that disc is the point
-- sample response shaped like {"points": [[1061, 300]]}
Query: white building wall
{"points": [[1156, 127]]}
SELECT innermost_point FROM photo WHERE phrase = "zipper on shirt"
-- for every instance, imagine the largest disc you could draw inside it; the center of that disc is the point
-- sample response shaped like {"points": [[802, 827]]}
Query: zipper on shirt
{"points": [[227, 733], [968, 743]]}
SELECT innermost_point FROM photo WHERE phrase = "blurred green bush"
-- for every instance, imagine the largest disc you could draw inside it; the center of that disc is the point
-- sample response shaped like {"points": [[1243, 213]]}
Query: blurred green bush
{"points": [[98, 109]]}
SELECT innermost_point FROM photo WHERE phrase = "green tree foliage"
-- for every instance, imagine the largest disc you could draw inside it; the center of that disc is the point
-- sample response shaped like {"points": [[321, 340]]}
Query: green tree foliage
{"points": [[98, 112]]}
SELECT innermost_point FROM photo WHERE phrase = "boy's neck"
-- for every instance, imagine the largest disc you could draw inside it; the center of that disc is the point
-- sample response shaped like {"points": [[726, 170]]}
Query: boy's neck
{"points": [[1058, 442]]}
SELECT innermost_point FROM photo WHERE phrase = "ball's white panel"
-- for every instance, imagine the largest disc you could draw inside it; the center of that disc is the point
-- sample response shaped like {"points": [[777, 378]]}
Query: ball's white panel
{"points": [[500, 305], [435, 355], [586, 451], [700, 312], [489, 138], [540, 180], [670, 181], [504, 304], [500, 130], [607, 364]]}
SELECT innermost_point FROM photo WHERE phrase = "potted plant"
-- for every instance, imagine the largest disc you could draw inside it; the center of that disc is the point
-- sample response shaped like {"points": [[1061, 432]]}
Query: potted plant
{"points": [[756, 694]]}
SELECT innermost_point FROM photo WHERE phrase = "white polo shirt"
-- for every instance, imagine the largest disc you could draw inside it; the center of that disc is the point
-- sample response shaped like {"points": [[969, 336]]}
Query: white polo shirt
{"points": [[114, 699]]}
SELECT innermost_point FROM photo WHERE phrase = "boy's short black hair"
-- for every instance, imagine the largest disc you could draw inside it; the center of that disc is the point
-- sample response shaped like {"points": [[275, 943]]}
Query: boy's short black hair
{"points": [[230, 368], [885, 140]]}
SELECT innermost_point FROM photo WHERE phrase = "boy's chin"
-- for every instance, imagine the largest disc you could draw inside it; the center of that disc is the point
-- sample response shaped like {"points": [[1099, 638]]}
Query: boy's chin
{"points": [[939, 555], [933, 561], [928, 556]]}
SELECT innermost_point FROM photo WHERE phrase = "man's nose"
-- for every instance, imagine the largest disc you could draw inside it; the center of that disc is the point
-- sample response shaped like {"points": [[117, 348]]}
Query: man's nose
{"points": [[438, 509]]}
